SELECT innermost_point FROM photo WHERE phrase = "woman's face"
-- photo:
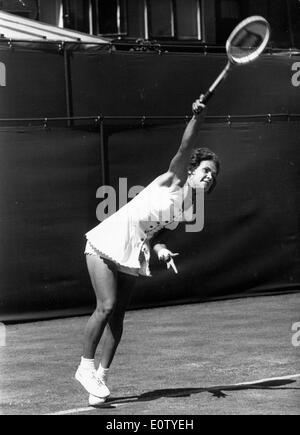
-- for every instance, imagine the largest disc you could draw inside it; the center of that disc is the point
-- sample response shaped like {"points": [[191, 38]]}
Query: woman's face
{"points": [[203, 176]]}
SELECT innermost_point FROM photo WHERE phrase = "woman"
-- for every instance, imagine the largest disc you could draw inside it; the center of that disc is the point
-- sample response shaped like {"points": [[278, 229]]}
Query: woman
{"points": [[118, 249]]}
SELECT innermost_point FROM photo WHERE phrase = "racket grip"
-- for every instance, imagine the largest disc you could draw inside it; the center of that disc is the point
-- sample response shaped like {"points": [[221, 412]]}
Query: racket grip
{"points": [[206, 97]]}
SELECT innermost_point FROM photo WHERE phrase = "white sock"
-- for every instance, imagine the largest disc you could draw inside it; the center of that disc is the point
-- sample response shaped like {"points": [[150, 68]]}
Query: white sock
{"points": [[88, 364], [101, 372]]}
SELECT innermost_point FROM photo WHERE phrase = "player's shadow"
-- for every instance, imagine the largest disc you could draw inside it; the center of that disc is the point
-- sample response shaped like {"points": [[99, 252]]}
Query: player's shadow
{"points": [[217, 391]]}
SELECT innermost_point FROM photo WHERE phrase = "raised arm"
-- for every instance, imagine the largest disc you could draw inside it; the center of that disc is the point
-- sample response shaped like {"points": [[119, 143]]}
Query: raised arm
{"points": [[179, 164]]}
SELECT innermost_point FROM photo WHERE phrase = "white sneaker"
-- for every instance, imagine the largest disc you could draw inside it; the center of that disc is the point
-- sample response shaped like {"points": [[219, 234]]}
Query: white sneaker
{"points": [[91, 383], [97, 401]]}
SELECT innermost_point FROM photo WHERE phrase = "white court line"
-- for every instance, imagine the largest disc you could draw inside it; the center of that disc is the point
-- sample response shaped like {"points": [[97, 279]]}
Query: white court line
{"points": [[268, 379], [72, 411], [78, 410], [90, 408]]}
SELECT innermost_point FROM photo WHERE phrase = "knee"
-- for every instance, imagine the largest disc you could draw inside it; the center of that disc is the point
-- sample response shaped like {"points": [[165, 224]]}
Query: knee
{"points": [[106, 308]]}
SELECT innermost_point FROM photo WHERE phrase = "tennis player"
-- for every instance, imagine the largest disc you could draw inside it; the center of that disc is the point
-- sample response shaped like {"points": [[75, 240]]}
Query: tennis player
{"points": [[118, 249]]}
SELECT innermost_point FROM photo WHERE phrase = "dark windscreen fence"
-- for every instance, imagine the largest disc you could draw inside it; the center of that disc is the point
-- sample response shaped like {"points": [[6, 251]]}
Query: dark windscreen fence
{"points": [[35, 83], [136, 106], [49, 183], [101, 81], [250, 241], [49, 179], [166, 84]]}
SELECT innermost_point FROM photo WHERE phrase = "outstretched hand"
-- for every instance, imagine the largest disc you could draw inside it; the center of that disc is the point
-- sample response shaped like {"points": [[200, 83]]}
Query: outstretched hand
{"points": [[167, 256]]}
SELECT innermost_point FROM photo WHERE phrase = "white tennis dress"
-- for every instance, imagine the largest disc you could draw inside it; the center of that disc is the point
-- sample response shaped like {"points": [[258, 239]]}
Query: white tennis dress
{"points": [[124, 236]]}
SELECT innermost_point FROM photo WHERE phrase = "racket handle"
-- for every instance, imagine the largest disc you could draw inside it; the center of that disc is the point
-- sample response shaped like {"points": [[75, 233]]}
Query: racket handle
{"points": [[215, 84], [206, 97]]}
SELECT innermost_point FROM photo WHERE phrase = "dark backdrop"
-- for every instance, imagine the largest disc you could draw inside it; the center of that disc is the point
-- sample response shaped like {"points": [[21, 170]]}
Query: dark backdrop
{"points": [[49, 179], [49, 176], [136, 83]]}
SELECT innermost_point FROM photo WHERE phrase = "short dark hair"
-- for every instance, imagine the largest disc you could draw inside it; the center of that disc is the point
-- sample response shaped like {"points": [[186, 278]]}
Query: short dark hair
{"points": [[201, 154]]}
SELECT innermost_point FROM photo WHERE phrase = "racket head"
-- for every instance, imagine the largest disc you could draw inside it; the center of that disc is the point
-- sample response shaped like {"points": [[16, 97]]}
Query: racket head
{"points": [[248, 40]]}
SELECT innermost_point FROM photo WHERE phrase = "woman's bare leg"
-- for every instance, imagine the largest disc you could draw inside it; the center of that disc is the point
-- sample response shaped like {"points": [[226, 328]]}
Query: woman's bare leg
{"points": [[114, 327], [104, 278]]}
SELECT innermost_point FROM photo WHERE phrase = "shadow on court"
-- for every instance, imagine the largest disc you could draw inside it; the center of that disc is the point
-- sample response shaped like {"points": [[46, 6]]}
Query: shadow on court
{"points": [[217, 391], [223, 357]]}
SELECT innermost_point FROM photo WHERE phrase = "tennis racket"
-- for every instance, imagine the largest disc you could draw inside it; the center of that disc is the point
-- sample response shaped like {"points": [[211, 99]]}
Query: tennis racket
{"points": [[245, 44]]}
